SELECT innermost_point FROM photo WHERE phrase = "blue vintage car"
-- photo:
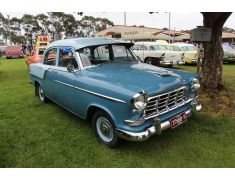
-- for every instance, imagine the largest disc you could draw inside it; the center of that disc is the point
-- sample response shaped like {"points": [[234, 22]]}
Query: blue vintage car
{"points": [[103, 81]]}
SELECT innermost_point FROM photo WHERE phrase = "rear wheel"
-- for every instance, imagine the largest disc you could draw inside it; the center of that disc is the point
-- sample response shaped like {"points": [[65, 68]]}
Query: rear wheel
{"points": [[148, 60], [41, 94], [104, 129]]}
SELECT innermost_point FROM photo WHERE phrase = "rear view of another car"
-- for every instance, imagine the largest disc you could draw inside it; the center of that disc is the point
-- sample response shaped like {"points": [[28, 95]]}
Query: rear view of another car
{"points": [[14, 51], [37, 55], [229, 54]]}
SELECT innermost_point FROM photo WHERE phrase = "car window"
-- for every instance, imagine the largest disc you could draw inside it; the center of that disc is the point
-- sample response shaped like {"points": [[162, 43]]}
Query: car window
{"points": [[167, 47], [136, 47], [85, 56], [41, 51], [158, 47], [121, 53], [66, 57], [176, 48], [143, 47], [50, 57], [189, 48], [102, 53]]}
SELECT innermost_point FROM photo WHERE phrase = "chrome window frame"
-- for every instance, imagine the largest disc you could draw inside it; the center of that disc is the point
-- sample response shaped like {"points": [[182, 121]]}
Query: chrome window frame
{"points": [[56, 67], [45, 53]]}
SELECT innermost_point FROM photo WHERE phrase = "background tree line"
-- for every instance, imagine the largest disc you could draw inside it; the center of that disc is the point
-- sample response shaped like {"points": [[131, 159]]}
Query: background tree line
{"points": [[57, 25]]}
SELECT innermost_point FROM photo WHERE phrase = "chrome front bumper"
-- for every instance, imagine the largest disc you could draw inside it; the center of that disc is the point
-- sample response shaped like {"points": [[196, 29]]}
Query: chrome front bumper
{"points": [[156, 128], [181, 62], [170, 62], [166, 62]]}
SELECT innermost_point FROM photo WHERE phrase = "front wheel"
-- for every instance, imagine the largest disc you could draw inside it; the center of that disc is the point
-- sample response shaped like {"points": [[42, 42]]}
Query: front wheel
{"points": [[104, 129]]}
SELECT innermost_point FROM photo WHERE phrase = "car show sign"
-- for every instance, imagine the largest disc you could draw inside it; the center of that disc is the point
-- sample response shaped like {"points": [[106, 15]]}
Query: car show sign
{"points": [[42, 41], [200, 34]]}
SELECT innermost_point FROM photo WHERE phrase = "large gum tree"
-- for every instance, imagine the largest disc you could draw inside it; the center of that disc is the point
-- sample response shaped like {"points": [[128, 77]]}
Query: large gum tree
{"points": [[213, 53]]}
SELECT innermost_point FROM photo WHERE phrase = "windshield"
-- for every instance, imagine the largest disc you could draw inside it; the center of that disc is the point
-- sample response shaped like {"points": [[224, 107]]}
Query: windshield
{"points": [[189, 48], [105, 54], [176, 48], [160, 47], [227, 48]]}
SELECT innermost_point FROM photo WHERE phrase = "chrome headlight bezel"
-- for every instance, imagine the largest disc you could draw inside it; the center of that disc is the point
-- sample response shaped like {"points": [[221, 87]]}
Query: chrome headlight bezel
{"points": [[195, 84], [139, 101]]}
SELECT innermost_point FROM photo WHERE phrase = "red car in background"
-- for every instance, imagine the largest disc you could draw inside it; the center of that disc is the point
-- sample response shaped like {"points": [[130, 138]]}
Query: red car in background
{"points": [[36, 57], [14, 51]]}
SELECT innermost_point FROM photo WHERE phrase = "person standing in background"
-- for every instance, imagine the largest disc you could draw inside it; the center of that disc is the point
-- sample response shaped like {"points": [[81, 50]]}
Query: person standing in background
{"points": [[0, 53]]}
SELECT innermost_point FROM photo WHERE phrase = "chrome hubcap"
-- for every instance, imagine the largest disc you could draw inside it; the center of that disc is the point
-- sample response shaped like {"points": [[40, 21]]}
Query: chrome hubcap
{"points": [[104, 129], [41, 94], [149, 61]]}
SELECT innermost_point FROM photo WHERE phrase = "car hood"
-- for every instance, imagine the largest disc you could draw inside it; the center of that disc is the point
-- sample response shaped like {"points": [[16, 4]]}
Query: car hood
{"points": [[136, 76]]}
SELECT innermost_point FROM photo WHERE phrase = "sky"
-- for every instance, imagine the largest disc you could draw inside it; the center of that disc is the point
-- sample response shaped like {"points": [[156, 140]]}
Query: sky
{"points": [[179, 21]]}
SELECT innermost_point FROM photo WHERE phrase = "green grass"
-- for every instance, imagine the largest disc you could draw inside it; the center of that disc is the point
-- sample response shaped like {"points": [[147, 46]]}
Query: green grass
{"points": [[44, 135]]}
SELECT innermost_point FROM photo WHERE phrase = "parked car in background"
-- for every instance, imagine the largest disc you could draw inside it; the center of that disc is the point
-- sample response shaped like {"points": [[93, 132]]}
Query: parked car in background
{"points": [[229, 54], [36, 56], [102, 80], [233, 46], [157, 54], [190, 52], [3, 49], [14, 51]]}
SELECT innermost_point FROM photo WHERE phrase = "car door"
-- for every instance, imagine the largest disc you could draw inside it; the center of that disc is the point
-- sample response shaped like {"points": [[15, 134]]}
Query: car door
{"points": [[64, 81], [50, 72]]}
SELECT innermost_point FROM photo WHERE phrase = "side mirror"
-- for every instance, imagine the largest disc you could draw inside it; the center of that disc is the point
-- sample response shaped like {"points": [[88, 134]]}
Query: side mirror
{"points": [[70, 68]]}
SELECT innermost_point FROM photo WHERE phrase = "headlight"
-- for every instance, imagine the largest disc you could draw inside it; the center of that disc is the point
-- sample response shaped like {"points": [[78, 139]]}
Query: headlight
{"points": [[139, 101], [195, 84]]}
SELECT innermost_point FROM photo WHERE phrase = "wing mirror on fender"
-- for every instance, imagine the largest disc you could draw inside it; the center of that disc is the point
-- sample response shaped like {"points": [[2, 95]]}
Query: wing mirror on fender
{"points": [[70, 68]]}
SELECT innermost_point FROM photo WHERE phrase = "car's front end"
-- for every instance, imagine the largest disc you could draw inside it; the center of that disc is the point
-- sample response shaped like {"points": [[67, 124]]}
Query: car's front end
{"points": [[172, 58], [160, 111], [154, 98], [190, 57]]}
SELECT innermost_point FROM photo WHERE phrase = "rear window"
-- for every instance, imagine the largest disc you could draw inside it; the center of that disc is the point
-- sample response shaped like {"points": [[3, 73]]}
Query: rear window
{"points": [[41, 51]]}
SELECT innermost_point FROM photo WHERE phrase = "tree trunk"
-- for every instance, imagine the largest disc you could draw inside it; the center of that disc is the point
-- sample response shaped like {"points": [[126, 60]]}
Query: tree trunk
{"points": [[212, 63]]}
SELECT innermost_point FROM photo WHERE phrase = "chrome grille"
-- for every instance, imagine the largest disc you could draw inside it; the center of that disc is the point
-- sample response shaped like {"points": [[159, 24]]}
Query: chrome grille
{"points": [[165, 102]]}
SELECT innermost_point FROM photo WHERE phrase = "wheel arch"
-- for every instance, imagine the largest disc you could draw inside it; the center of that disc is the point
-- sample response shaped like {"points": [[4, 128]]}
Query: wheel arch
{"points": [[95, 107], [36, 83]]}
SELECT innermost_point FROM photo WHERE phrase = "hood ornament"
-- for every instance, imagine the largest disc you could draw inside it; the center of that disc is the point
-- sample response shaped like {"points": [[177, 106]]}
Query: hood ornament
{"points": [[163, 73]]}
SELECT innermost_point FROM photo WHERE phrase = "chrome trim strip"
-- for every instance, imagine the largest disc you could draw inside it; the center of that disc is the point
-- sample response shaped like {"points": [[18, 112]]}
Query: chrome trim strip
{"points": [[91, 92]]}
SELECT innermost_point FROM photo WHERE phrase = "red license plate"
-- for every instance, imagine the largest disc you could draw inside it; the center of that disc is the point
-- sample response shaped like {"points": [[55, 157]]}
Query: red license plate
{"points": [[178, 120]]}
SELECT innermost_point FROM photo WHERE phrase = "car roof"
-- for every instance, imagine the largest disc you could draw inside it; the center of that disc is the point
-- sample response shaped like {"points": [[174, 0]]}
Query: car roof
{"points": [[150, 43], [183, 44], [78, 43]]}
